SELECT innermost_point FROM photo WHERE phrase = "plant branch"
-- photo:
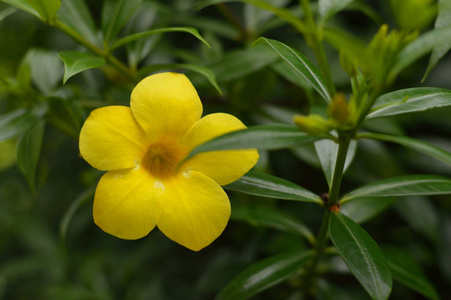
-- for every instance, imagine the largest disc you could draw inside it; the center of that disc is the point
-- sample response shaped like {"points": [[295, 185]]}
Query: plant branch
{"points": [[344, 140], [93, 48]]}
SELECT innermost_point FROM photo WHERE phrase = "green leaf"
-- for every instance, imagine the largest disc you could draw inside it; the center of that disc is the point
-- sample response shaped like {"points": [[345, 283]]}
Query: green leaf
{"points": [[16, 122], [327, 151], [195, 68], [215, 26], [268, 186], [46, 9], [75, 15], [67, 115], [6, 12], [362, 255], [115, 14], [301, 64], [364, 209], [271, 217], [409, 100], [146, 17], [346, 43], [28, 152], [75, 205], [443, 19], [8, 149], [287, 72], [421, 215], [328, 8], [46, 70], [282, 13], [263, 137], [418, 145], [256, 18], [23, 5], [367, 10], [406, 271], [264, 274], [420, 47], [239, 63], [410, 185], [141, 35], [76, 62], [43, 9]]}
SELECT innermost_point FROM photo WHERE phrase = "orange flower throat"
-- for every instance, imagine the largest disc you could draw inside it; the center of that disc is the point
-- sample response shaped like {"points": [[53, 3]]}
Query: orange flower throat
{"points": [[162, 158]]}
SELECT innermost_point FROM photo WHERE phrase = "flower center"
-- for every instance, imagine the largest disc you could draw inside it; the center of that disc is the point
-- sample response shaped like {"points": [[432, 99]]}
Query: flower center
{"points": [[162, 158]]}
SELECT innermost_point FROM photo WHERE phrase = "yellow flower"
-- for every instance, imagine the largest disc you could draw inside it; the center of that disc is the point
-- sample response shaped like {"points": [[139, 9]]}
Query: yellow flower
{"points": [[142, 146]]}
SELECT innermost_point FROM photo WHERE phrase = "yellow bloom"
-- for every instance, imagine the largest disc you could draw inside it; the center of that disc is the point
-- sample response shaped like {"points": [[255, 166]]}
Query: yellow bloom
{"points": [[142, 146]]}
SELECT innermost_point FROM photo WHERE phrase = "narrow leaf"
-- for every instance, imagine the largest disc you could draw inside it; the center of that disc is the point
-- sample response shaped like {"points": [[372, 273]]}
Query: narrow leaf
{"points": [[418, 145], [328, 8], [264, 137], [76, 62], [256, 19], [284, 70], [141, 35], [23, 5], [115, 14], [206, 72], [8, 149], [443, 19], [421, 215], [346, 43], [28, 152], [367, 10], [362, 255], [272, 217], [76, 15], [409, 100], [406, 271], [16, 122], [46, 70], [47, 9], [300, 64], [420, 47], [264, 274], [364, 209], [6, 12], [282, 13], [239, 63], [75, 205], [264, 185], [327, 152], [410, 185]]}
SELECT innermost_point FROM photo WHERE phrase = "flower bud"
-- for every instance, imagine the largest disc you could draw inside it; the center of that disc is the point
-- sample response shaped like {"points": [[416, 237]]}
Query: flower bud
{"points": [[348, 64], [414, 14], [338, 109], [313, 123]]}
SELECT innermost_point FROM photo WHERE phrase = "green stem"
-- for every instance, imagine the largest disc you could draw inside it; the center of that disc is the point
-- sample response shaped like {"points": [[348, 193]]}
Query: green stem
{"points": [[344, 140], [109, 57], [367, 108], [313, 39], [78, 38], [324, 65]]}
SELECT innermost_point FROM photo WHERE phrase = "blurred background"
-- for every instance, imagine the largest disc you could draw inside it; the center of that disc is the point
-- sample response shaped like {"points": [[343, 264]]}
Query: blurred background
{"points": [[51, 249]]}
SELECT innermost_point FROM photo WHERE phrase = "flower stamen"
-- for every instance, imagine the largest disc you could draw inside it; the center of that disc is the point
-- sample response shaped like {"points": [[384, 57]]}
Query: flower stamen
{"points": [[162, 158]]}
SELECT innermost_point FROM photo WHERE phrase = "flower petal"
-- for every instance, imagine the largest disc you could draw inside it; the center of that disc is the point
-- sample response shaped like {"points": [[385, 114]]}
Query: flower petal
{"points": [[111, 139], [223, 167], [165, 104], [196, 210], [126, 203]]}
